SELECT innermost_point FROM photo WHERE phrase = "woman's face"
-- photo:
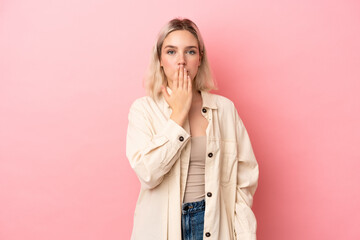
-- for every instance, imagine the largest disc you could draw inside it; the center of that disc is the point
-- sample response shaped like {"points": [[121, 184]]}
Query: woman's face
{"points": [[180, 48]]}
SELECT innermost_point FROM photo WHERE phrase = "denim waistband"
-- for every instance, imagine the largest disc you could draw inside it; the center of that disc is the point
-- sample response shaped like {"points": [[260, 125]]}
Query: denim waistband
{"points": [[192, 207]]}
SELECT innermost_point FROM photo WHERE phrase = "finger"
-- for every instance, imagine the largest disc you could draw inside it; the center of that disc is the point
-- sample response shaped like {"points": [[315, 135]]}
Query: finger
{"points": [[176, 78], [189, 84], [186, 74], [181, 77], [185, 78]]}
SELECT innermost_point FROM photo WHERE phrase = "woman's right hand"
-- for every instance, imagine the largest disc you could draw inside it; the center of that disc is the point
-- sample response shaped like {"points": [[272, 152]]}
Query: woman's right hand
{"points": [[181, 96]]}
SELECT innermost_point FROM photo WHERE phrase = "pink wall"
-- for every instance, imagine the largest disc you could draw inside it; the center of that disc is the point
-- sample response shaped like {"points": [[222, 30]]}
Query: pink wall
{"points": [[69, 71]]}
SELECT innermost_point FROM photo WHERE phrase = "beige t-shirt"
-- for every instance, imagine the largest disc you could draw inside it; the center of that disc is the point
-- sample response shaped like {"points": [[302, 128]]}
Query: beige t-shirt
{"points": [[195, 184]]}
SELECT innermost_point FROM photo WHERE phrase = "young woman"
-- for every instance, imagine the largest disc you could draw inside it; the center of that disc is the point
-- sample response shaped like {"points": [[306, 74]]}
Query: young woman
{"points": [[189, 148]]}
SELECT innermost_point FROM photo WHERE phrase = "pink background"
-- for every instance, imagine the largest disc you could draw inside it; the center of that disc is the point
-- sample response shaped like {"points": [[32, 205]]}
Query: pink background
{"points": [[69, 71]]}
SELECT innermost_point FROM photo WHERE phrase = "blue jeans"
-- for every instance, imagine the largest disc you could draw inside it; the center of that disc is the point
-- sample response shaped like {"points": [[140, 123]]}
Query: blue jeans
{"points": [[192, 220]]}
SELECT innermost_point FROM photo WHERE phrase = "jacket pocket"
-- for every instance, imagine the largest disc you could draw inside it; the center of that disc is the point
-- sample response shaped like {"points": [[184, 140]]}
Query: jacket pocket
{"points": [[227, 160], [246, 220]]}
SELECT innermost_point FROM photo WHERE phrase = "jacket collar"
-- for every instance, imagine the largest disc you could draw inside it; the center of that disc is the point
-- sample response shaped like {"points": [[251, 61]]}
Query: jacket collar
{"points": [[208, 100]]}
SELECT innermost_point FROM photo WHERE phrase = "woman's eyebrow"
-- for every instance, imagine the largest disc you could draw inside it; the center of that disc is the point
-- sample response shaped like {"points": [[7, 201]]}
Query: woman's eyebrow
{"points": [[171, 46]]}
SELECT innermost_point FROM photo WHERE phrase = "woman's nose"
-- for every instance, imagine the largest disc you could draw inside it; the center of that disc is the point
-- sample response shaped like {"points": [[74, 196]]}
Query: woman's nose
{"points": [[181, 59]]}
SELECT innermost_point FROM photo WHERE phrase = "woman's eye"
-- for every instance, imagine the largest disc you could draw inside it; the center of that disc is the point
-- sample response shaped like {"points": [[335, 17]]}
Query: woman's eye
{"points": [[171, 52], [191, 52]]}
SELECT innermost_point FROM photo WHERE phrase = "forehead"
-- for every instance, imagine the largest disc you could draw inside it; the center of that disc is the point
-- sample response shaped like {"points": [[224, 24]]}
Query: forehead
{"points": [[180, 38]]}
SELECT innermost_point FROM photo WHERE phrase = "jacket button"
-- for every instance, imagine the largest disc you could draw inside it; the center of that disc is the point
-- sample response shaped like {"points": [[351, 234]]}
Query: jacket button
{"points": [[204, 110], [207, 234], [209, 194], [181, 138], [210, 155]]}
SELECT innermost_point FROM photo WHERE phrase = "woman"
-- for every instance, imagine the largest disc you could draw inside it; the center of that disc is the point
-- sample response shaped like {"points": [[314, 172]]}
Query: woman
{"points": [[189, 148]]}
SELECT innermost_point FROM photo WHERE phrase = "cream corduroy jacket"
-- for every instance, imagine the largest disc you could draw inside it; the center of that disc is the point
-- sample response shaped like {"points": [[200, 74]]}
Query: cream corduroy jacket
{"points": [[158, 150]]}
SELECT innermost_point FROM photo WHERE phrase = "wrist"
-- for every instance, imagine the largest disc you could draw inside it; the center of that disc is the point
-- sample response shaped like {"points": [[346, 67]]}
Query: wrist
{"points": [[178, 118]]}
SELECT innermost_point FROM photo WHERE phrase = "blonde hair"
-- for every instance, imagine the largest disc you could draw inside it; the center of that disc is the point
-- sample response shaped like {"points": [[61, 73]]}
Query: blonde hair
{"points": [[155, 76]]}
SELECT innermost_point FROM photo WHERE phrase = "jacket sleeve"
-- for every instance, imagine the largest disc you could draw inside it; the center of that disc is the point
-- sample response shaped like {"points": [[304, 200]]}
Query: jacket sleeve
{"points": [[152, 154], [247, 180]]}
